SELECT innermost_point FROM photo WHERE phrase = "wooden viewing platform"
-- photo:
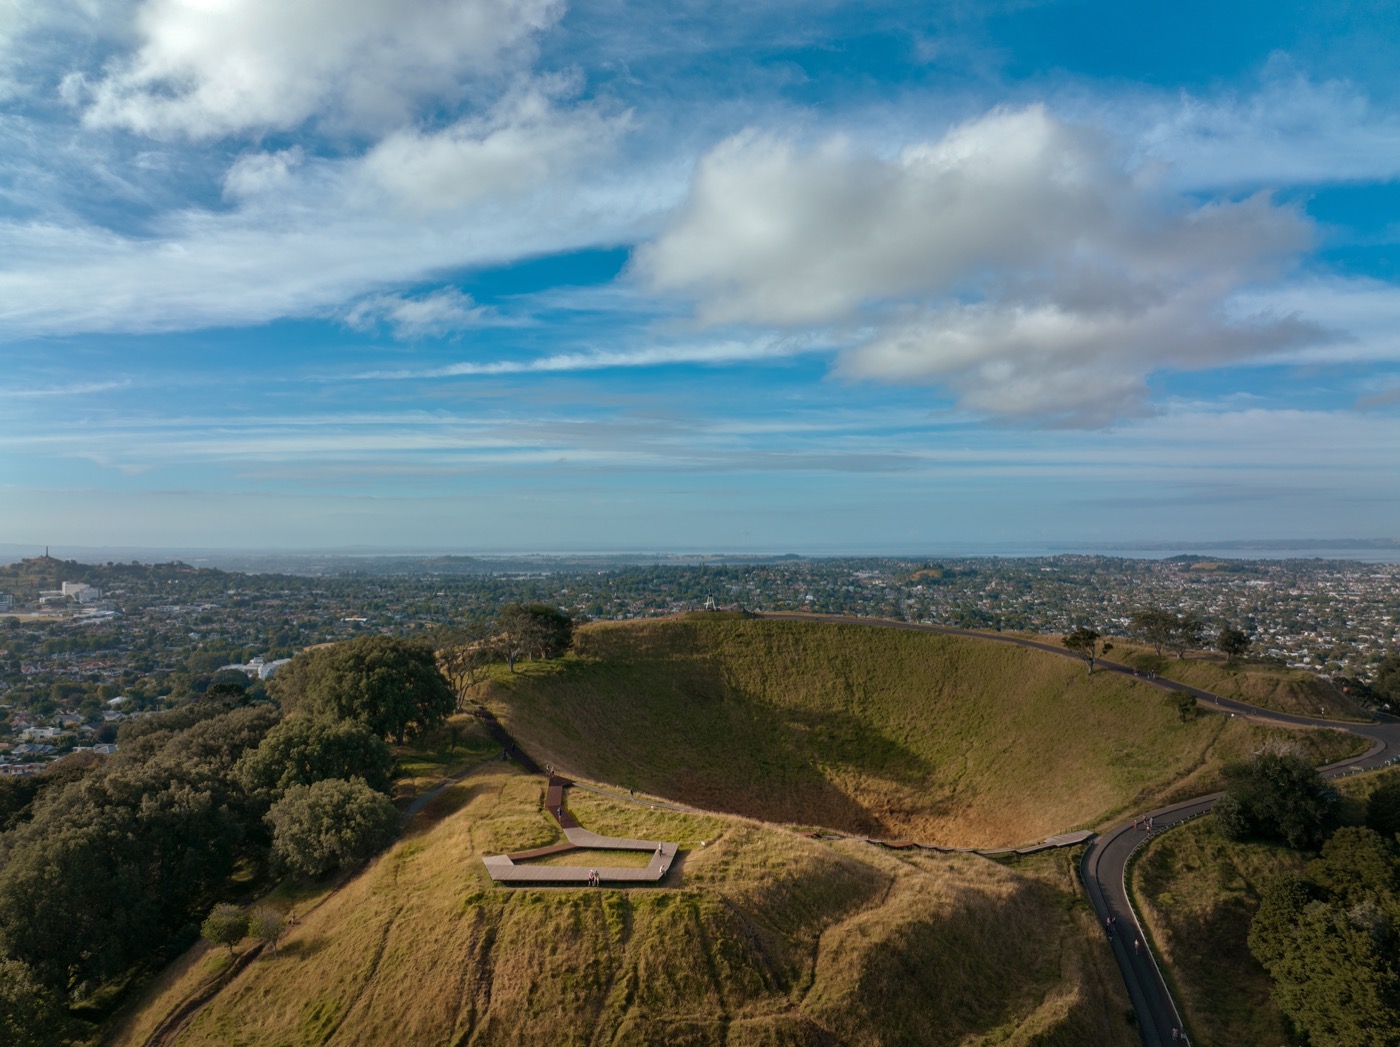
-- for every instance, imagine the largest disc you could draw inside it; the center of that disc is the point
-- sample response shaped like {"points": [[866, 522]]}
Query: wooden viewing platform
{"points": [[503, 868]]}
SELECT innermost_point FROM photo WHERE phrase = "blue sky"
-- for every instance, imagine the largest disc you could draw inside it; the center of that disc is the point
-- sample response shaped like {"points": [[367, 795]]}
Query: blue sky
{"points": [[527, 275]]}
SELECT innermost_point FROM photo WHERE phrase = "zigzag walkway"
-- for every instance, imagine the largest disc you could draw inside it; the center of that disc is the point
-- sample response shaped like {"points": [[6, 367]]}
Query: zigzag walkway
{"points": [[503, 868]]}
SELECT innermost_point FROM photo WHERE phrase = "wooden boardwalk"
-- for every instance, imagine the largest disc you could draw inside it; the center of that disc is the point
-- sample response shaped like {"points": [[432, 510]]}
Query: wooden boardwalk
{"points": [[503, 868]]}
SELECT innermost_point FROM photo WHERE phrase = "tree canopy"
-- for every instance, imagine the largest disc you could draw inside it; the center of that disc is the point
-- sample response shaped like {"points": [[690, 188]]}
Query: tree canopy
{"points": [[1329, 942], [536, 630], [1276, 796], [1085, 642], [303, 751], [114, 864], [1168, 630], [1232, 643], [391, 685], [321, 827]]}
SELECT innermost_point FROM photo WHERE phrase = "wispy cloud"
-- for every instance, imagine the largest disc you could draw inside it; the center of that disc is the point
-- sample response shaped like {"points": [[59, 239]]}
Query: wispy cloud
{"points": [[719, 352], [59, 391]]}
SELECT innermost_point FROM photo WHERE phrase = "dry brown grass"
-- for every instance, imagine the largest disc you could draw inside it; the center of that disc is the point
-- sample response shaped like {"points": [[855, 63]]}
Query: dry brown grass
{"points": [[767, 937], [951, 740]]}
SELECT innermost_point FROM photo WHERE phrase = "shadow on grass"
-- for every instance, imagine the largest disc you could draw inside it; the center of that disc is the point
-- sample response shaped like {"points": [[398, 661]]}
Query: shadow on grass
{"points": [[677, 727]]}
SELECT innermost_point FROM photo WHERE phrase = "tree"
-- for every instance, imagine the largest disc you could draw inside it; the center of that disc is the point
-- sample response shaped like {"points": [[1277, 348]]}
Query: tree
{"points": [[1383, 809], [1164, 629], [31, 1014], [1085, 643], [302, 751], [321, 827], [389, 684], [1152, 626], [1233, 643], [113, 865], [1276, 796], [225, 925], [266, 924], [463, 656], [1386, 679], [1328, 941], [536, 630]]}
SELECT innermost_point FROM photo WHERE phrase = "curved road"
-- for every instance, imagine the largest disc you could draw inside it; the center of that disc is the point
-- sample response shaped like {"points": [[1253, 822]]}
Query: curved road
{"points": [[1105, 863]]}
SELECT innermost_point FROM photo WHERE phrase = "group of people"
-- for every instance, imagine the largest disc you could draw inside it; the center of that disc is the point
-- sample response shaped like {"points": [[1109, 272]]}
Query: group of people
{"points": [[594, 880]]}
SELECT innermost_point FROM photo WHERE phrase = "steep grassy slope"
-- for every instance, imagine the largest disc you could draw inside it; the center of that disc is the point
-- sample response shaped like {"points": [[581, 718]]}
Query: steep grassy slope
{"points": [[759, 936], [953, 740]]}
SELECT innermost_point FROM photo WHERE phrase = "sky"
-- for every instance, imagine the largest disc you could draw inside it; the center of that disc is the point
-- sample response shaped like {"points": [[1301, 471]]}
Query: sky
{"points": [[527, 275]]}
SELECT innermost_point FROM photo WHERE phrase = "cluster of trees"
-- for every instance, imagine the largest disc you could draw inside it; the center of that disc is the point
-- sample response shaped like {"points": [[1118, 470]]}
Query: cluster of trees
{"points": [[1167, 630], [1163, 631], [110, 869], [227, 925], [1329, 938], [389, 685], [533, 630], [110, 863], [1276, 795]]}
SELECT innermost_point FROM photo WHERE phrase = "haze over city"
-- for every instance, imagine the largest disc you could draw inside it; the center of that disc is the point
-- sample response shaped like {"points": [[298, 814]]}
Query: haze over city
{"points": [[520, 274]]}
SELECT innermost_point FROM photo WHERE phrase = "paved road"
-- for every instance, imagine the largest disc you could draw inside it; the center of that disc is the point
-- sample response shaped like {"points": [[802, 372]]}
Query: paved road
{"points": [[1106, 860]]}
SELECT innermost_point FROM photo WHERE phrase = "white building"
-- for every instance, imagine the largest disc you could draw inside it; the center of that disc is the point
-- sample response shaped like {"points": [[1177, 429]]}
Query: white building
{"points": [[82, 592]]}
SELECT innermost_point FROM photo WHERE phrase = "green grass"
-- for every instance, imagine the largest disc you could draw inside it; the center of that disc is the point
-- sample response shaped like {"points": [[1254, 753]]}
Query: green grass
{"points": [[762, 936], [439, 755], [596, 859], [1286, 690], [954, 740], [1198, 891]]}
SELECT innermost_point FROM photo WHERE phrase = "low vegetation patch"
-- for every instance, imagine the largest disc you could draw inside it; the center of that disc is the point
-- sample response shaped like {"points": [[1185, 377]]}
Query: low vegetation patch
{"points": [[762, 936], [955, 740]]}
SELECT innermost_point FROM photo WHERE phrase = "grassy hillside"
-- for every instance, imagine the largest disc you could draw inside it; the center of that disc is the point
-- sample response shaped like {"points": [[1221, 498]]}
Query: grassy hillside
{"points": [[1198, 891], [759, 936], [955, 740], [1287, 690]]}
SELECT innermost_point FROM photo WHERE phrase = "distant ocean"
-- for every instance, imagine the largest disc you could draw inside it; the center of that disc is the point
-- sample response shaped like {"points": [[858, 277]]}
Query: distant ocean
{"points": [[1363, 553]]}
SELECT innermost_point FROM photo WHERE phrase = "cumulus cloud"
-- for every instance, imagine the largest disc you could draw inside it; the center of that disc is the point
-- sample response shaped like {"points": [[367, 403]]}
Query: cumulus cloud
{"points": [[430, 315], [524, 142], [213, 67], [1018, 260]]}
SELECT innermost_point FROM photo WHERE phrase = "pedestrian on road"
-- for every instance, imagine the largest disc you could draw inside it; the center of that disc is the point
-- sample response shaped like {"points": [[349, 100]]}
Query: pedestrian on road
{"points": [[1176, 1034], [1137, 946]]}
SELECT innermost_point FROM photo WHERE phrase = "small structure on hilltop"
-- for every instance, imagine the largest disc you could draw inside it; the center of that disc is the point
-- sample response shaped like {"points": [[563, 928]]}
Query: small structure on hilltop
{"points": [[503, 868]]}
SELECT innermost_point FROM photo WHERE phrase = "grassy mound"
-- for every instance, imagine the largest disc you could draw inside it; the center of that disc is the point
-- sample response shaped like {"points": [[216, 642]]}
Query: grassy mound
{"points": [[955, 740], [759, 936]]}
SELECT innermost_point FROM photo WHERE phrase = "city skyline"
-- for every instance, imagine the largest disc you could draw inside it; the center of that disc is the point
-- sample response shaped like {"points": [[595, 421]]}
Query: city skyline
{"points": [[516, 274]]}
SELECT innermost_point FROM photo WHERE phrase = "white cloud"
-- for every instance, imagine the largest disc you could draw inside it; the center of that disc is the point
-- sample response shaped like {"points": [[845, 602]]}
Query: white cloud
{"points": [[214, 67], [1292, 130], [434, 314], [719, 352], [1017, 260], [525, 142], [257, 174]]}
